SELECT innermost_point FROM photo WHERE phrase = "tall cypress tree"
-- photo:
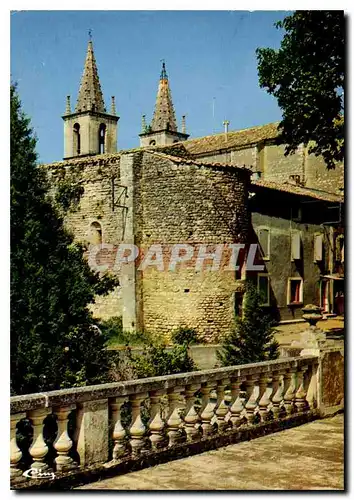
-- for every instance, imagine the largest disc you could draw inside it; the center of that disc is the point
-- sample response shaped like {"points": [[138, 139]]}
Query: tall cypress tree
{"points": [[252, 340], [54, 342]]}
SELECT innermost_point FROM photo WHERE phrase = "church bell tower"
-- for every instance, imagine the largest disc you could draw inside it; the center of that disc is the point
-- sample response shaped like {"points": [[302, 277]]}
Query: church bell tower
{"points": [[163, 127], [89, 130]]}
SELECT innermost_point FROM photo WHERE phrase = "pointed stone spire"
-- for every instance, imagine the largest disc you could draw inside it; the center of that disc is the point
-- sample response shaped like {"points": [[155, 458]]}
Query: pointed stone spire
{"points": [[164, 114], [90, 94]]}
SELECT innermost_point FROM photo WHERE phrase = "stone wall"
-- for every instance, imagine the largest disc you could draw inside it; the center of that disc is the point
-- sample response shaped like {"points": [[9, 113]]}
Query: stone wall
{"points": [[89, 133], [181, 202], [101, 183]]}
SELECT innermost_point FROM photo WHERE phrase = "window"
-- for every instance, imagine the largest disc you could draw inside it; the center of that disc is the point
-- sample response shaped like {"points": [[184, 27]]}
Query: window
{"points": [[102, 138], [152, 143], [295, 245], [318, 247], [296, 214], [263, 288], [340, 248], [295, 179], [95, 233], [264, 241], [324, 295], [295, 291], [76, 140]]}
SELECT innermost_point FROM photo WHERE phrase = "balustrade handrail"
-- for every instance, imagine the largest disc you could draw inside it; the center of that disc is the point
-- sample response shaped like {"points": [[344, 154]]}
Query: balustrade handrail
{"points": [[62, 397]]}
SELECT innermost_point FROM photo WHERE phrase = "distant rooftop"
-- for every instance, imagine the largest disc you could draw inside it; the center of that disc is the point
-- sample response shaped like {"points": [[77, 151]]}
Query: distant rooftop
{"points": [[299, 190], [244, 137]]}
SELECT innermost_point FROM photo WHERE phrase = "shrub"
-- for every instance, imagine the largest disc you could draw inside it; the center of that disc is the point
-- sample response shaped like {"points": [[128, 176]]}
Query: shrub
{"points": [[252, 340], [184, 335], [112, 328], [157, 360]]}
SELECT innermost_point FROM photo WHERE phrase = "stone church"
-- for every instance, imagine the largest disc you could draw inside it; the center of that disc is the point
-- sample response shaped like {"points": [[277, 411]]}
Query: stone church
{"points": [[208, 195]]}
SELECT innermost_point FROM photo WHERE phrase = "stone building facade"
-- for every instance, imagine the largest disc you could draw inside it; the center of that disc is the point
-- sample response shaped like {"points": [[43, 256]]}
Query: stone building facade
{"points": [[155, 200], [257, 148], [205, 193], [297, 233]]}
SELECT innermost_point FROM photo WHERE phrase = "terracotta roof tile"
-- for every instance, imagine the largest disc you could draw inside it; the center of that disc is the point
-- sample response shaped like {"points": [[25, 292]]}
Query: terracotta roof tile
{"points": [[233, 139], [299, 190], [189, 161]]}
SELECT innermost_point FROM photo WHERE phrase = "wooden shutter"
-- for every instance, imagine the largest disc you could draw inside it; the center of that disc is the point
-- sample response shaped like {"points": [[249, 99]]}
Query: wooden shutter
{"points": [[318, 247], [295, 246]]}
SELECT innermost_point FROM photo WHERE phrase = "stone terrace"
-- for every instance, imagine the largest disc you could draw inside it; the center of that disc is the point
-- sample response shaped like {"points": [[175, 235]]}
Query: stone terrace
{"points": [[309, 457]]}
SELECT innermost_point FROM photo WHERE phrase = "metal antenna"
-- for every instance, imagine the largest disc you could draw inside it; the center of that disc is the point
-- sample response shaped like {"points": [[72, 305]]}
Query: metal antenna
{"points": [[90, 34]]}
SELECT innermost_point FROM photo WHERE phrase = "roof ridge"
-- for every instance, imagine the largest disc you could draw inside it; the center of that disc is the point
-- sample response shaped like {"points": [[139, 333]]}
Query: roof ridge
{"points": [[222, 134], [299, 190], [181, 159]]}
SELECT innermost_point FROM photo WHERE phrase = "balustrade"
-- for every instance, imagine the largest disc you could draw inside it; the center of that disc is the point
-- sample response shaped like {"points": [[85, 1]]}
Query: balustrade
{"points": [[119, 434], [15, 452], [137, 429], [156, 424], [273, 390], [63, 443], [39, 448]]}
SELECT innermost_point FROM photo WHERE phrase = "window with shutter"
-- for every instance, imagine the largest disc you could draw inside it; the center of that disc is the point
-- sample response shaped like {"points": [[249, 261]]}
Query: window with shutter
{"points": [[295, 246], [318, 247], [264, 242], [263, 288], [295, 291]]}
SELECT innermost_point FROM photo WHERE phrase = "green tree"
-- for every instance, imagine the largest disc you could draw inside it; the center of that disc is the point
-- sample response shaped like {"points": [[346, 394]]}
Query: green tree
{"points": [[252, 340], [306, 76], [54, 342]]}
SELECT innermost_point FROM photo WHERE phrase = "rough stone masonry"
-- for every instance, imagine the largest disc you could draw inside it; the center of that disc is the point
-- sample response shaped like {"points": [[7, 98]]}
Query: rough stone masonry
{"points": [[144, 198]]}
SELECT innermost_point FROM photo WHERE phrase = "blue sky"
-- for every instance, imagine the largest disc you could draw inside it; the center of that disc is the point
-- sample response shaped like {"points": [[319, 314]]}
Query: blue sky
{"points": [[210, 57]]}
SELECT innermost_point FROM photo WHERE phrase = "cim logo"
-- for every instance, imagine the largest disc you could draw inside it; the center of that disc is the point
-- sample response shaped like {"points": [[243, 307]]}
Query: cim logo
{"points": [[38, 474]]}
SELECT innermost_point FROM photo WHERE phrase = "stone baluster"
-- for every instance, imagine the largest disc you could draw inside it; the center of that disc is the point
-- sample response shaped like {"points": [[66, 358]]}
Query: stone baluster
{"points": [[38, 449], [156, 423], [278, 392], [312, 395], [63, 443], [137, 428], [192, 418], [174, 420], [119, 434], [207, 412], [251, 404], [265, 391], [236, 403], [289, 389], [15, 452], [300, 396], [221, 407]]}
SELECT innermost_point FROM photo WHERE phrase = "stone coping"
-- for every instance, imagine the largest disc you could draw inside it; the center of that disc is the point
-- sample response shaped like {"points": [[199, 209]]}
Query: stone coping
{"points": [[75, 395]]}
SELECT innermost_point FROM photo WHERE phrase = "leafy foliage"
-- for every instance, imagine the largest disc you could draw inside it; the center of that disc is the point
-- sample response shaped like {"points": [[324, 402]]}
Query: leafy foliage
{"points": [[184, 335], [252, 340], [54, 342], [306, 75], [113, 329], [68, 194], [157, 360]]}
